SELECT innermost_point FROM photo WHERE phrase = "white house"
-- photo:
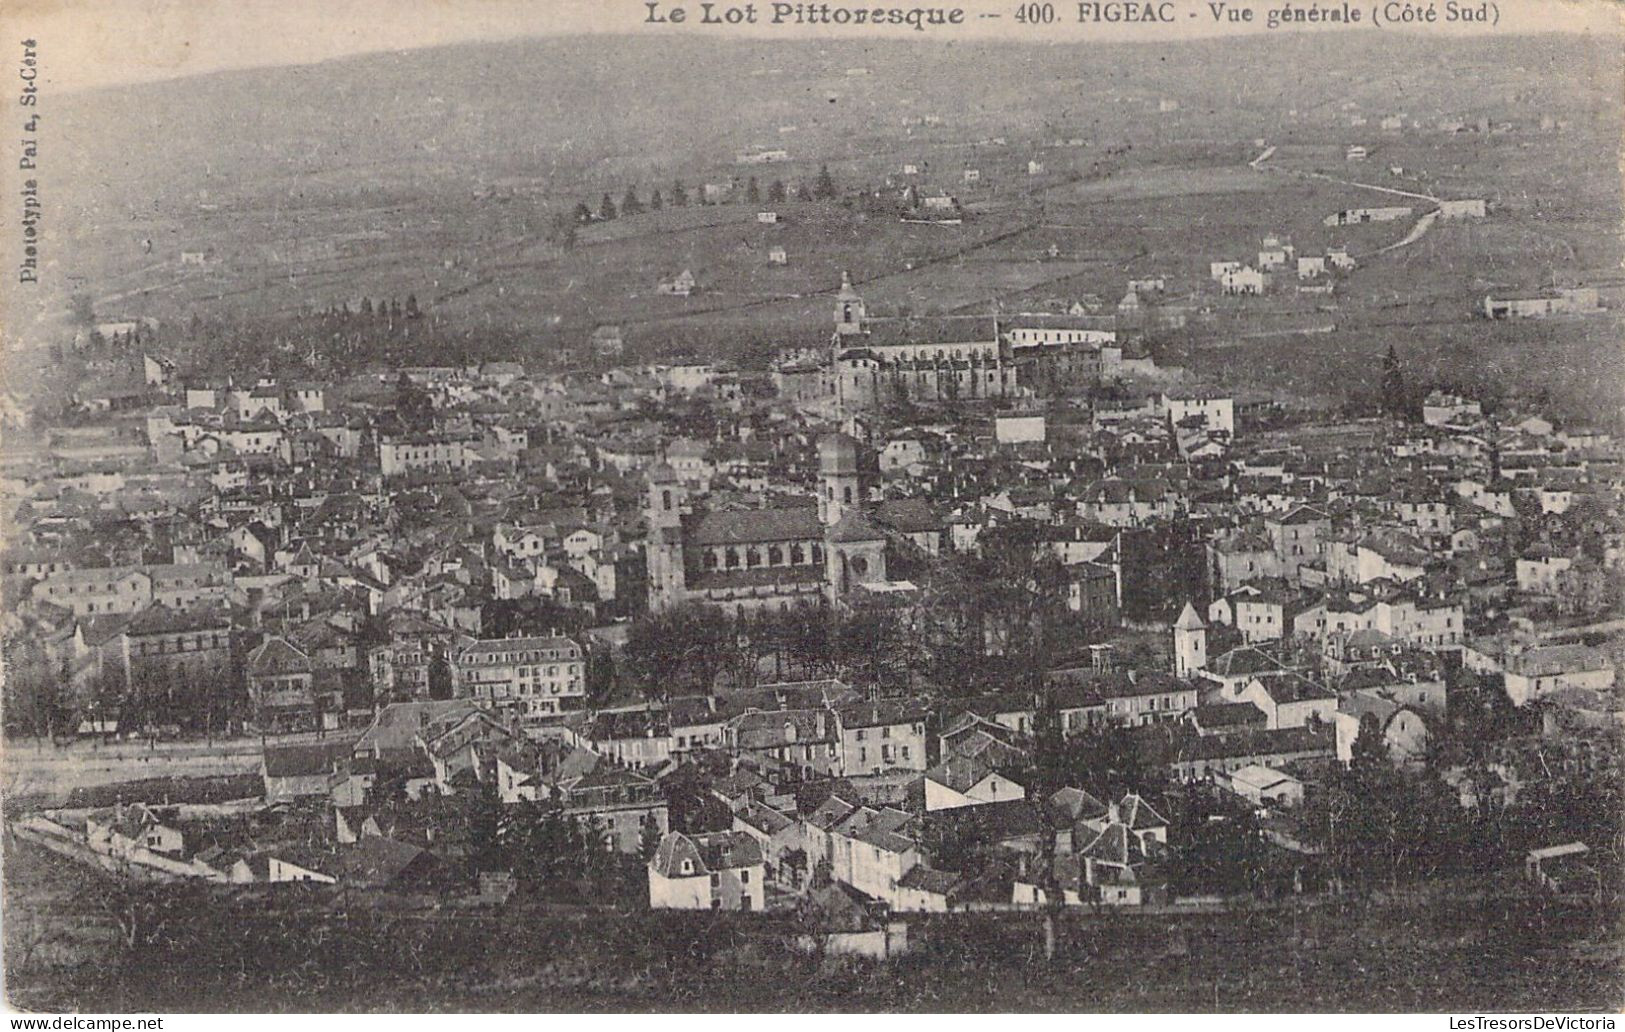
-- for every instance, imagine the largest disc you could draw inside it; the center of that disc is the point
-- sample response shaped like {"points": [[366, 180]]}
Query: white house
{"points": [[1289, 699], [1242, 281], [718, 871], [1540, 671], [958, 781], [1265, 786]]}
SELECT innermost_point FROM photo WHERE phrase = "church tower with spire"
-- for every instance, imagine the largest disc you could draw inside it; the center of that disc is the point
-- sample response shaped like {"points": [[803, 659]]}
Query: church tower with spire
{"points": [[1190, 643], [663, 508], [849, 311], [840, 481]]}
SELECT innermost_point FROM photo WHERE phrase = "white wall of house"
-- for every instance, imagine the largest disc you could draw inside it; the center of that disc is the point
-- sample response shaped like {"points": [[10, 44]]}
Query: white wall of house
{"points": [[994, 788]]}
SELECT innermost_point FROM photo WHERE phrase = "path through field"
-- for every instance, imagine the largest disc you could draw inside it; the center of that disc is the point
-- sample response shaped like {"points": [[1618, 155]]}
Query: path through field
{"points": [[1417, 232]]}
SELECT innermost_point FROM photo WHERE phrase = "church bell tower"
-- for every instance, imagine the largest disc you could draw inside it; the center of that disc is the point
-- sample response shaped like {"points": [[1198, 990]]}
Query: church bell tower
{"points": [[849, 311]]}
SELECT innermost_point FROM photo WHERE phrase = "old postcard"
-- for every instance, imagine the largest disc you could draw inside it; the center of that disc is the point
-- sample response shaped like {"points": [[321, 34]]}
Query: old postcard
{"points": [[670, 506]]}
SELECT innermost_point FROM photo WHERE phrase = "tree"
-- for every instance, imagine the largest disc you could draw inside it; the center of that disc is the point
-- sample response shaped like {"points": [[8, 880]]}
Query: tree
{"points": [[600, 677], [582, 214], [630, 205], [485, 829], [648, 839], [81, 309], [775, 192], [1368, 754], [753, 193], [1046, 775], [606, 208], [803, 193], [655, 201], [1394, 398], [1020, 591], [413, 404], [412, 307], [825, 188], [684, 647], [679, 196], [440, 686]]}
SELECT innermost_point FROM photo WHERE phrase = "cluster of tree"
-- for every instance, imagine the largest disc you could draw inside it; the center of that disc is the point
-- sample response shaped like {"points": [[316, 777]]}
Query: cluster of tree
{"points": [[551, 854], [687, 649], [1163, 568], [336, 341], [391, 311], [630, 205], [413, 405], [1400, 398], [1217, 847], [1379, 823], [777, 192], [47, 701], [39, 699], [995, 620]]}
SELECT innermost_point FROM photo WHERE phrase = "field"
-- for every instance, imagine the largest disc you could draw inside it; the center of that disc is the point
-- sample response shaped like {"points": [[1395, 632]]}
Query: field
{"points": [[443, 175], [1447, 949]]}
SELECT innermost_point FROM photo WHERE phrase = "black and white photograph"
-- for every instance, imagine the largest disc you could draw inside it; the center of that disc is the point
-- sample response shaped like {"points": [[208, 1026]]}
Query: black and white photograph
{"points": [[573, 507]]}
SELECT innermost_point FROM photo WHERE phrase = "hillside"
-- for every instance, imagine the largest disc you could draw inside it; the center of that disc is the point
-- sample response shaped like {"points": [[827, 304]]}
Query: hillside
{"points": [[443, 172]]}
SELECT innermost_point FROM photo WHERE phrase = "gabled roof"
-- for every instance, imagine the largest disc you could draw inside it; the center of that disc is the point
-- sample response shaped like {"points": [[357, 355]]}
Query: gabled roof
{"points": [[885, 712], [853, 527], [754, 526], [1135, 812], [959, 773], [763, 818], [1244, 661], [1189, 620], [1075, 804], [375, 860], [1286, 686], [717, 851], [306, 759], [1229, 714], [1300, 515], [831, 812], [1115, 844], [277, 652]]}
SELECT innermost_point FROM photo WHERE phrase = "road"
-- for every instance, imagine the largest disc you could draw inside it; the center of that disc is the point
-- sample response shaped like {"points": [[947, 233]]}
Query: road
{"points": [[1417, 232], [1371, 186]]}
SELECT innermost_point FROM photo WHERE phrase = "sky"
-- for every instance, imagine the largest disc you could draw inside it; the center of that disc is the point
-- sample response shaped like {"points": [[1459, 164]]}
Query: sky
{"points": [[90, 43]]}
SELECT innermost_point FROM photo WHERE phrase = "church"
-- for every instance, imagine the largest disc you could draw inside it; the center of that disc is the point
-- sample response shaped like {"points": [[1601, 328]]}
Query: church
{"points": [[871, 362], [753, 560]]}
